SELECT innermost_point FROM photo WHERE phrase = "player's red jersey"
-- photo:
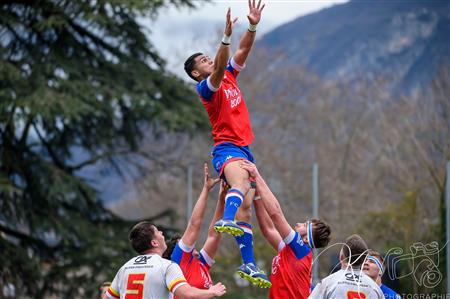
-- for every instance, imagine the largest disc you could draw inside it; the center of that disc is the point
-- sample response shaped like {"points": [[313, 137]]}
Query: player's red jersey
{"points": [[291, 271], [195, 270], [226, 109]]}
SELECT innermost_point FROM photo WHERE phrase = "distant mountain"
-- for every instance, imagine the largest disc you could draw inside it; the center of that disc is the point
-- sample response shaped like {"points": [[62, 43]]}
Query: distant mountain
{"points": [[404, 40]]}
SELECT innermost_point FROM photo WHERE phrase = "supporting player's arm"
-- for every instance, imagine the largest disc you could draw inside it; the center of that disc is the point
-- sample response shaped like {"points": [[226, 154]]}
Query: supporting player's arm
{"points": [[223, 54], [213, 239], [266, 225], [189, 292], [176, 284], [193, 228], [247, 40], [271, 203]]}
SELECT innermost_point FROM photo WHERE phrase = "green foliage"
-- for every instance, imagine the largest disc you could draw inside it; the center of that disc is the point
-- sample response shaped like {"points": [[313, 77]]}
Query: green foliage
{"points": [[400, 226], [75, 77]]}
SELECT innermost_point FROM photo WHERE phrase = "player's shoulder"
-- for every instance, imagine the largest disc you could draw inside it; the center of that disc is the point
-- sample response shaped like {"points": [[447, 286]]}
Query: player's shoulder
{"points": [[161, 264], [376, 290], [168, 263], [334, 277], [336, 274], [326, 284], [165, 262]]}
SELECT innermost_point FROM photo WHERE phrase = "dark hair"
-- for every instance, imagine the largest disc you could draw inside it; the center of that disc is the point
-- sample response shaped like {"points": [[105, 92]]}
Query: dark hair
{"points": [[171, 243], [321, 233], [140, 236], [377, 255], [355, 250], [189, 64]]}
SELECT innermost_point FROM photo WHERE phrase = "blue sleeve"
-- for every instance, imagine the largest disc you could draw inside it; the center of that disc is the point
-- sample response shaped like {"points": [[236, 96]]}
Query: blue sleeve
{"points": [[177, 254], [204, 91], [232, 70], [299, 248]]}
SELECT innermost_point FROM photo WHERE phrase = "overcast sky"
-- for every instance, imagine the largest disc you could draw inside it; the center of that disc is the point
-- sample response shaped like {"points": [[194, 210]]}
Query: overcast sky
{"points": [[177, 33]]}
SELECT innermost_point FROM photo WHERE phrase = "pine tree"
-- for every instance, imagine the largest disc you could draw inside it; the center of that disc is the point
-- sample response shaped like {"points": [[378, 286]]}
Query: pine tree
{"points": [[75, 76]]}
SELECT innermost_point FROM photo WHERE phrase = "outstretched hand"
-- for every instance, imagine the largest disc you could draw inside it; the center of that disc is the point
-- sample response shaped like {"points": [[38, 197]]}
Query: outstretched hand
{"points": [[250, 167], [254, 15], [218, 289], [224, 187], [229, 24], [209, 182]]}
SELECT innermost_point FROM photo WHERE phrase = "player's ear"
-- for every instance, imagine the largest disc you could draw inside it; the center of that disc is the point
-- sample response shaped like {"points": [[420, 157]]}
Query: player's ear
{"points": [[195, 73], [154, 243], [341, 256]]}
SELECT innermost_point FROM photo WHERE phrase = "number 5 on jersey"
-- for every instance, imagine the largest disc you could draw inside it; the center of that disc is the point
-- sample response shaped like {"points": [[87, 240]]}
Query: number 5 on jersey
{"points": [[355, 295], [135, 286]]}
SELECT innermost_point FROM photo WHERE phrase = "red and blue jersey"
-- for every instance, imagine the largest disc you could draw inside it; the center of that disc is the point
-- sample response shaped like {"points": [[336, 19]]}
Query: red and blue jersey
{"points": [[195, 270], [291, 269], [226, 108]]}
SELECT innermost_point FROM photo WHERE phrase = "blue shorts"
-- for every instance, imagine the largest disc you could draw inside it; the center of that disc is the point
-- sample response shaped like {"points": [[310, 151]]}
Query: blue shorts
{"points": [[227, 152]]}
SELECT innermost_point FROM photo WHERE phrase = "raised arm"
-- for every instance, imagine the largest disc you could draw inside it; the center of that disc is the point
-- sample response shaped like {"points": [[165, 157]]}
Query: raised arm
{"points": [[193, 229], [266, 225], [271, 203], [223, 54], [213, 239], [246, 43]]}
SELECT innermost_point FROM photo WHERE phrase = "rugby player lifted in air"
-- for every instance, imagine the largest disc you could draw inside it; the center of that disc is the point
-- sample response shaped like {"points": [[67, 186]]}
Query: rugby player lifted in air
{"points": [[232, 133]]}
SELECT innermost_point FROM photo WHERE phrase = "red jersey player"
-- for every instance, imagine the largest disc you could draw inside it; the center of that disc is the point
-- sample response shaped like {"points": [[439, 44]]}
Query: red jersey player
{"points": [[291, 267], [232, 134]]}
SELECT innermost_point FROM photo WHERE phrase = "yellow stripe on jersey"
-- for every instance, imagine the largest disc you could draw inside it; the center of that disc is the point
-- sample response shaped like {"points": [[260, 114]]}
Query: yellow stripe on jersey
{"points": [[175, 282], [132, 292], [113, 292]]}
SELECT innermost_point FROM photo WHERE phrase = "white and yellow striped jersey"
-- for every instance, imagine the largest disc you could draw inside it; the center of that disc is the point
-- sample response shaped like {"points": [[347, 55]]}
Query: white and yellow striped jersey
{"points": [[146, 277]]}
